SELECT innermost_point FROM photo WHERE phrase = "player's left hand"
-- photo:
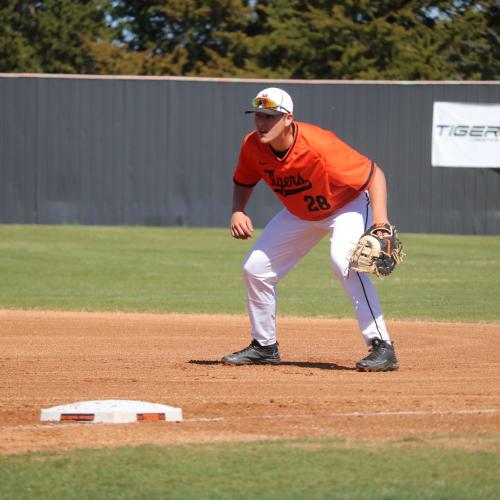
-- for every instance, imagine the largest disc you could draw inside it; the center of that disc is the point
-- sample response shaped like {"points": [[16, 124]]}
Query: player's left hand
{"points": [[378, 251]]}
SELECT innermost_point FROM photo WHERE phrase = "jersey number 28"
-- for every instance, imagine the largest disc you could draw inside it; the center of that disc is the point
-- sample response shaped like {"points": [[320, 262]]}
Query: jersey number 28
{"points": [[314, 204]]}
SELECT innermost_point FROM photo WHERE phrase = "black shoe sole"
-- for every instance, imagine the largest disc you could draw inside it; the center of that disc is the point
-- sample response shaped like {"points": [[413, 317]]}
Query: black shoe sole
{"points": [[390, 368], [263, 362]]}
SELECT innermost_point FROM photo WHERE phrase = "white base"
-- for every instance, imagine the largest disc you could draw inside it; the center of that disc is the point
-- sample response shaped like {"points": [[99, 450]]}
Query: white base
{"points": [[111, 411]]}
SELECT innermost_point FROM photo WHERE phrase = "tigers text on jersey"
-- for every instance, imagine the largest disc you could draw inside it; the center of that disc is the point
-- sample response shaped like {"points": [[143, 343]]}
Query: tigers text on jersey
{"points": [[318, 175]]}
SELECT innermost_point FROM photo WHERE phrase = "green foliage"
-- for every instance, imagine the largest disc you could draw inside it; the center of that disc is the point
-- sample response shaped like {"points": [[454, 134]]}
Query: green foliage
{"points": [[191, 37], [451, 278], [272, 470], [366, 39], [48, 36], [471, 40], [311, 39], [16, 53]]}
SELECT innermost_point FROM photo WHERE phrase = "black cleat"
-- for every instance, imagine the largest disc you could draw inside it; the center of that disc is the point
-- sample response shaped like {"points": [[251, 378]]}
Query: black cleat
{"points": [[254, 354], [382, 358]]}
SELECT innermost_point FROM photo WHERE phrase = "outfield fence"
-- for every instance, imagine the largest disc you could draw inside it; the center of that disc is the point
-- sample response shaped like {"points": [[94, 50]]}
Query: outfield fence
{"points": [[161, 150]]}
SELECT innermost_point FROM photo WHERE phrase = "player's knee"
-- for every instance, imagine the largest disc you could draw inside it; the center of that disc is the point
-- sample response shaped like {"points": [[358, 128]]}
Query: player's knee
{"points": [[256, 265]]}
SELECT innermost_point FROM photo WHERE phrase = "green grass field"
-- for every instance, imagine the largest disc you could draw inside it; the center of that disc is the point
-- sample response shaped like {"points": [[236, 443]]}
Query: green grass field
{"points": [[444, 278], [451, 278], [298, 469]]}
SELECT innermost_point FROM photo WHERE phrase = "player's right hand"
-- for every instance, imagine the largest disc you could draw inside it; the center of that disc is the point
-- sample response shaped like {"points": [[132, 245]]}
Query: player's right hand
{"points": [[241, 226]]}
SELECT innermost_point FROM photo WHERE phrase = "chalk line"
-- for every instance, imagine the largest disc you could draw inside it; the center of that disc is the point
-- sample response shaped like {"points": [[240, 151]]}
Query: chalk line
{"points": [[349, 414], [64, 425]]}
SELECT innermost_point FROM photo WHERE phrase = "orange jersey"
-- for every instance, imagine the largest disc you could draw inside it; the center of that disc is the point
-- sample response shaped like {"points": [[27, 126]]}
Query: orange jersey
{"points": [[318, 175]]}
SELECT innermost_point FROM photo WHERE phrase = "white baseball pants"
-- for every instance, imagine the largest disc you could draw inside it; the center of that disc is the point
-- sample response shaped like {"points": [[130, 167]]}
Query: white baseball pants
{"points": [[284, 241]]}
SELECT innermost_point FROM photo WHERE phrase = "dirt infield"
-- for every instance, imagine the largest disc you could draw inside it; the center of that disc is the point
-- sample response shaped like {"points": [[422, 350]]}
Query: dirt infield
{"points": [[448, 384]]}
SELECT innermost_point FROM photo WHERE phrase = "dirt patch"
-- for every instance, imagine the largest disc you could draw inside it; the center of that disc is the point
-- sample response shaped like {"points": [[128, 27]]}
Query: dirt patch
{"points": [[448, 384]]}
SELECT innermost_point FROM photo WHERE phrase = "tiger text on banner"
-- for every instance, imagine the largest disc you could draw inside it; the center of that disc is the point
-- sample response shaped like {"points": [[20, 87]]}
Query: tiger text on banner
{"points": [[466, 135]]}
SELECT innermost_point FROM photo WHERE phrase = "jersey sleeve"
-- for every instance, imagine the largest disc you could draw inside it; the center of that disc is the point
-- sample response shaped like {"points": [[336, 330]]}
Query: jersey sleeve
{"points": [[245, 174], [346, 167]]}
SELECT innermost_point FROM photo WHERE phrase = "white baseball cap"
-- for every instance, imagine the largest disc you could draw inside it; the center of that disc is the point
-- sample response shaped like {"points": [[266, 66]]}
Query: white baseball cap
{"points": [[272, 101]]}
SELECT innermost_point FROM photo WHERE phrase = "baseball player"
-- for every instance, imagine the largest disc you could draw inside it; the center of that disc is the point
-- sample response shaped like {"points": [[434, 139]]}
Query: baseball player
{"points": [[326, 187]]}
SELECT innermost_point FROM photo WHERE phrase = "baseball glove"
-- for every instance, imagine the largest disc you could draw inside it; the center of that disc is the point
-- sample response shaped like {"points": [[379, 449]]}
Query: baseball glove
{"points": [[377, 254]]}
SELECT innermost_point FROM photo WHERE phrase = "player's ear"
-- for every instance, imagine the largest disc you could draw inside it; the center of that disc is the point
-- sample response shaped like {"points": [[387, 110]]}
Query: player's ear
{"points": [[288, 119]]}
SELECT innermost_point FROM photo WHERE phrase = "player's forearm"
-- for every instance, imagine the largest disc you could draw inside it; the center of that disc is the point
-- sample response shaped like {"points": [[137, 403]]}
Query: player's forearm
{"points": [[241, 225], [241, 195], [378, 197]]}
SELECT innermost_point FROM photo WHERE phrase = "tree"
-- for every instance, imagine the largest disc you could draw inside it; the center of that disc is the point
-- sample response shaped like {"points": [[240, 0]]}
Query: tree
{"points": [[471, 40], [191, 37], [46, 36], [15, 53], [310, 39], [378, 39]]}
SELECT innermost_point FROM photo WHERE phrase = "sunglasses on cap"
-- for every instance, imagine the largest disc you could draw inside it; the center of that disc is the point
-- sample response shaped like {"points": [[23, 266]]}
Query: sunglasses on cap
{"points": [[266, 103]]}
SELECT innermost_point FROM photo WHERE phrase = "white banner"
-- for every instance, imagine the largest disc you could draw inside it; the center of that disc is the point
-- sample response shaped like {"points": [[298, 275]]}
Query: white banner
{"points": [[466, 135]]}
